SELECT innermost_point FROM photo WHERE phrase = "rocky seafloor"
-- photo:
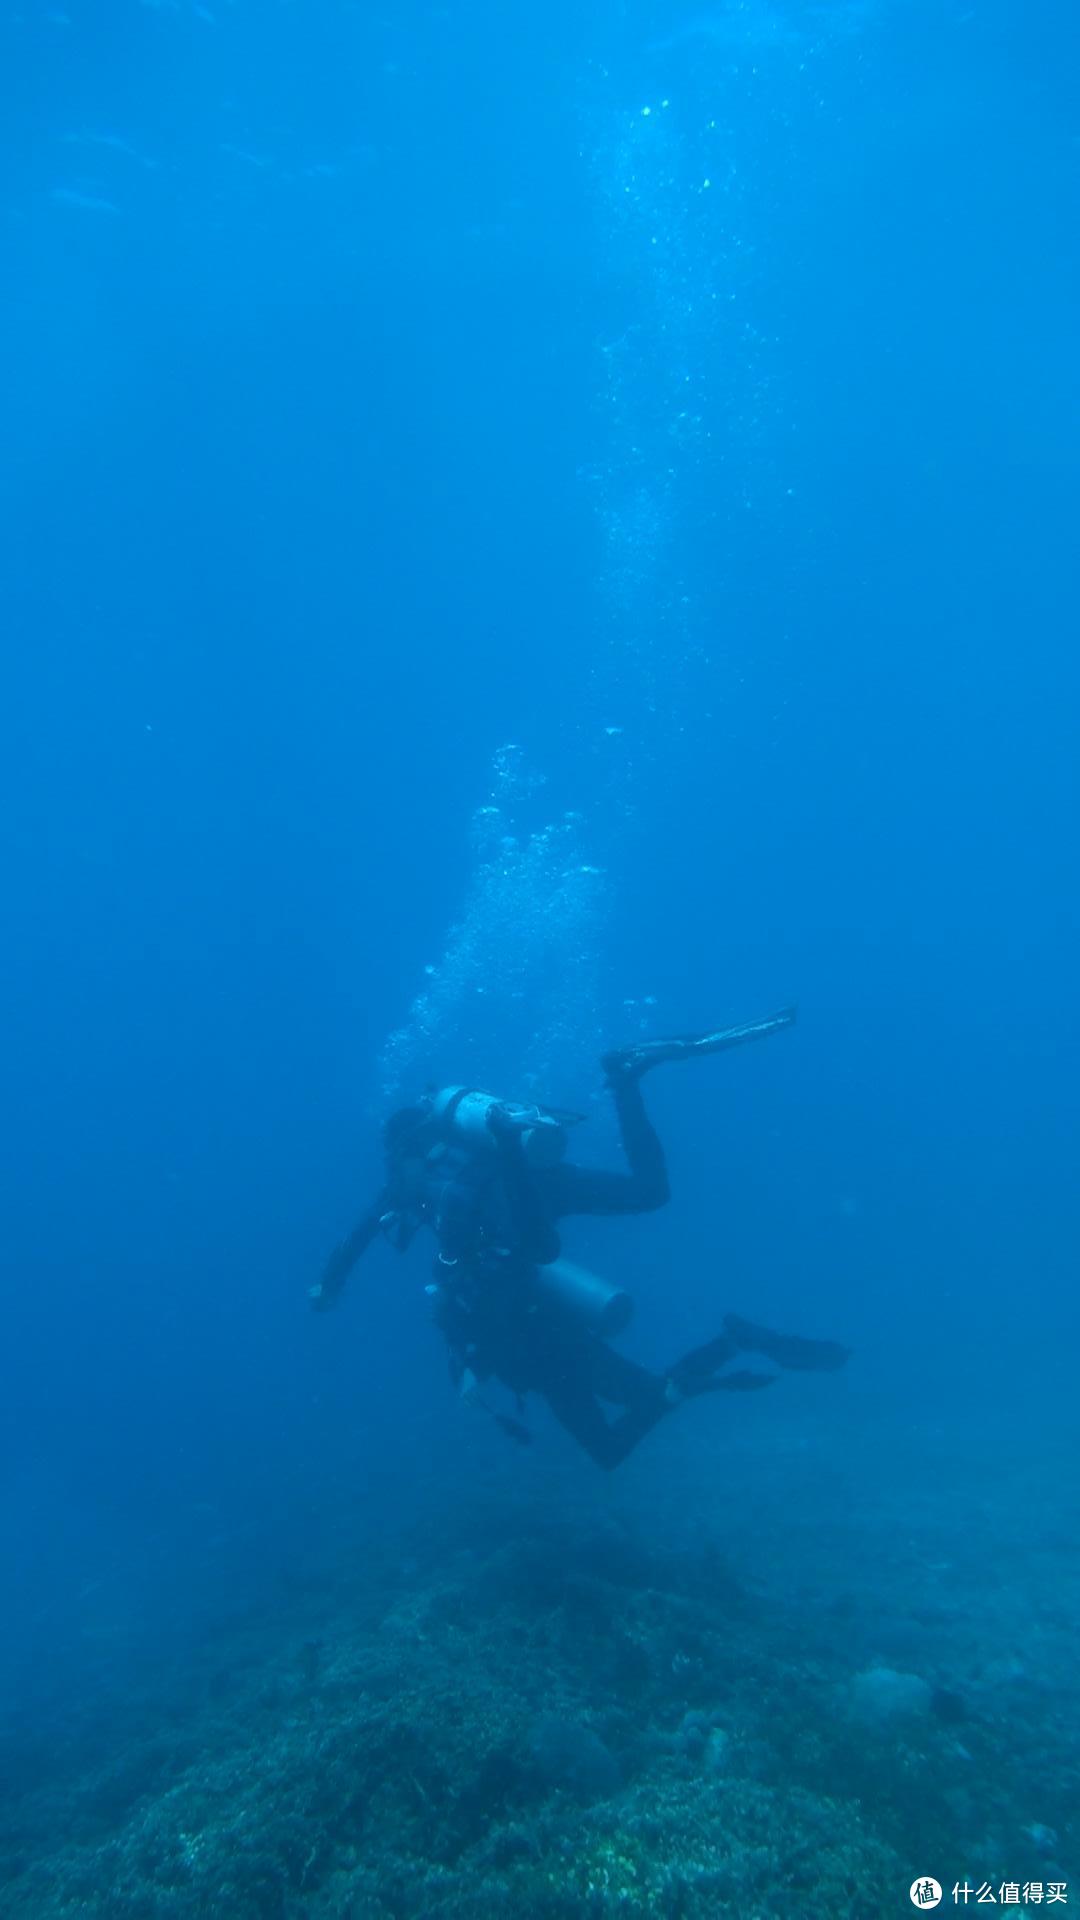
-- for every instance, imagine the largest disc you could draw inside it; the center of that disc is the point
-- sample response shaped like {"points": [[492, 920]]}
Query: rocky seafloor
{"points": [[781, 1676]]}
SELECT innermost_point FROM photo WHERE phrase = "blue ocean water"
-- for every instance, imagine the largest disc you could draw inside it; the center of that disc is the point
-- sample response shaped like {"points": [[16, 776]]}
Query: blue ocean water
{"points": [[526, 530]]}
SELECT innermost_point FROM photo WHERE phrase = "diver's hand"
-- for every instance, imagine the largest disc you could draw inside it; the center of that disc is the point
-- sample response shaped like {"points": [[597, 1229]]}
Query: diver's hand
{"points": [[321, 1298]]}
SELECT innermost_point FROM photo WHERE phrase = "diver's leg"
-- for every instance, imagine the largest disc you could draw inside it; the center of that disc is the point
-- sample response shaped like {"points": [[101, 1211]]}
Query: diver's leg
{"points": [[574, 1389], [787, 1349], [629, 1063], [640, 1143], [622, 1382], [572, 1189], [576, 1409]]}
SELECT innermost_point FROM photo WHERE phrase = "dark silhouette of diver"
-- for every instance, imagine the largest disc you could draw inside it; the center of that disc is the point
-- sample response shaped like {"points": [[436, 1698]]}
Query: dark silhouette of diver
{"points": [[488, 1177]]}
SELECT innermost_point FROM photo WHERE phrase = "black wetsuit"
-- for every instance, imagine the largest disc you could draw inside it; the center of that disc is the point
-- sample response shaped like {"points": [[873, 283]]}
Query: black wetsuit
{"points": [[495, 1220], [532, 1347], [494, 1217]]}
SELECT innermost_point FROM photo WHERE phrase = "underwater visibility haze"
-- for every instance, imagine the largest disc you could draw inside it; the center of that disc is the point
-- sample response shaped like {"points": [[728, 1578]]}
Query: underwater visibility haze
{"points": [[528, 532]]}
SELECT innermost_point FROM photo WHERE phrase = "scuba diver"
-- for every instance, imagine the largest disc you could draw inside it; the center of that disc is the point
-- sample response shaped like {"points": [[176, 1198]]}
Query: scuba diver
{"points": [[489, 1178]]}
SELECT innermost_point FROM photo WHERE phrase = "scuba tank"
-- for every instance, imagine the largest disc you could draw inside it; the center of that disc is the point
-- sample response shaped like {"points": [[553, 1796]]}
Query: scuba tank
{"points": [[463, 1113], [582, 1296], [598, 1305]]}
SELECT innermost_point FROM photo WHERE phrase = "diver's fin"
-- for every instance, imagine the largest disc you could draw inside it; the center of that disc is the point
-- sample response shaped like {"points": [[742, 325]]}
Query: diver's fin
{"points": [[698, 1372], [703, 1361], [695, 1372], [787, 1349], [742, 1382], [628, 1063]]}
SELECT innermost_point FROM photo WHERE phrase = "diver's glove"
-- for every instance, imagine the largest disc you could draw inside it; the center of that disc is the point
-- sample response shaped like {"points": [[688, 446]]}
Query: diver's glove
{"points": [[321, 1297]]}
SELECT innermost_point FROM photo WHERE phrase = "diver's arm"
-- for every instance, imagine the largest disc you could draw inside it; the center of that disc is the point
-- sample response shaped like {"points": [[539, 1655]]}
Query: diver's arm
{"points": [[535, 1233], [345, 1255]]}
